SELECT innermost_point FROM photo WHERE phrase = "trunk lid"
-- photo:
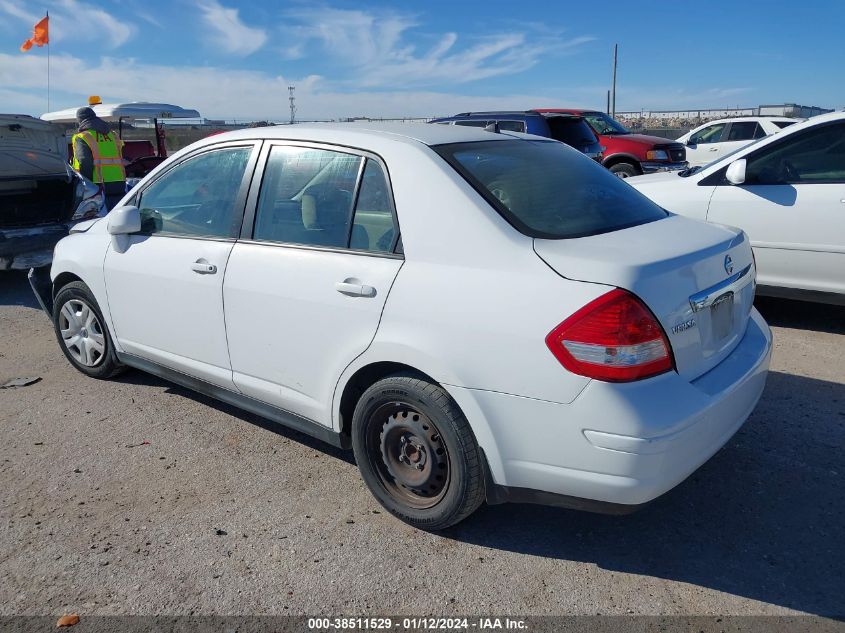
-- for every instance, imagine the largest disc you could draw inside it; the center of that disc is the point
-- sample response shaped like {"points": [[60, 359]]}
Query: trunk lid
{"points": [[697, 279], [36, 184]]}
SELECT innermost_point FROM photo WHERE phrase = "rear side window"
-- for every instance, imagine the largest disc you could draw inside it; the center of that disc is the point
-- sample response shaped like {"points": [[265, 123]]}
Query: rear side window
{"points": [[572, 131], [472, 123], [373, 228], [745, 131], [511, 126], [306, 197], [546, 190]]}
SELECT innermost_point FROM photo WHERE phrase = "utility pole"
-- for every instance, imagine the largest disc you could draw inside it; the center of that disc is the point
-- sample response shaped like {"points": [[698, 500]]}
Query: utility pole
{"points": [[292, 100], [608, 102], [613, 88]]}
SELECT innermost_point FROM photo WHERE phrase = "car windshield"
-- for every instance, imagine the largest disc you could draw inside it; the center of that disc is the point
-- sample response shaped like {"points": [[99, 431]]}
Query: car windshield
{"points": [[604, 124], [545, 189]]}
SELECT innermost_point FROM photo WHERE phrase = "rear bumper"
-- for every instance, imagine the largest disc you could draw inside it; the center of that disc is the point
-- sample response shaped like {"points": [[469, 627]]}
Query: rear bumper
{"points": [[623, 444], [650, 167], [29, 247]]}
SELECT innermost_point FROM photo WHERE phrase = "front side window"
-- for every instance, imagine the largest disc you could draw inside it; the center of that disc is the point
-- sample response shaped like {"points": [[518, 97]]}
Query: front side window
{"points": [[710, 134], [744, 131], [545, 191], [783, 124], [198, 197], [306, 197], [816, 155]]}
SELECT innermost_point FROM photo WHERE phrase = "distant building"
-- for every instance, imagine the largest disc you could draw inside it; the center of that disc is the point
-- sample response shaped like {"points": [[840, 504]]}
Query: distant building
{"points": [[708, 114], [793, 110]]}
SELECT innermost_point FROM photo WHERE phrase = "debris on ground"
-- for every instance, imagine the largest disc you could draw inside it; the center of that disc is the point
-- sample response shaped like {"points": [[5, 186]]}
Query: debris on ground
{"points": [[20, 382], [144, 443], [69, 619]]}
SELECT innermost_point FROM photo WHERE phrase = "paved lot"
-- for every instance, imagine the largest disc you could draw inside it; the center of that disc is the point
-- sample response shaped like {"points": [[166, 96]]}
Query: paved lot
{"points": [[220, 513]]}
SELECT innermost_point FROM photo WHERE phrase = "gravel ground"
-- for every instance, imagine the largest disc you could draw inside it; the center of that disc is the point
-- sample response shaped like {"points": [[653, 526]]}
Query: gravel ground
{"points": [[221, 513]]}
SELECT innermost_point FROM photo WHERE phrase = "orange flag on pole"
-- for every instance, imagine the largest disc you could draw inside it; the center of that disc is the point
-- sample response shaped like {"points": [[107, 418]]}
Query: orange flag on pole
{"points": [[40, 35]]}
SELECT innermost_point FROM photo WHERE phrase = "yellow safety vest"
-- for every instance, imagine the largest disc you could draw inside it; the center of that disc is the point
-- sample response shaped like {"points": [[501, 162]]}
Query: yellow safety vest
{"points": [[107, 151]]}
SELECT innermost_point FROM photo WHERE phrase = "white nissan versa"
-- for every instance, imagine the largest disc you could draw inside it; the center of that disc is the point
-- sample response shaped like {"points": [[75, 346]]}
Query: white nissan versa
{"points": [[477, 314]]}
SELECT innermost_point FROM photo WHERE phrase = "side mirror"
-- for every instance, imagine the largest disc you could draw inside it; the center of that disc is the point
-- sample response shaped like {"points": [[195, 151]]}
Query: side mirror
{"points": [[123, 220], [736, 172], [690, 143]]}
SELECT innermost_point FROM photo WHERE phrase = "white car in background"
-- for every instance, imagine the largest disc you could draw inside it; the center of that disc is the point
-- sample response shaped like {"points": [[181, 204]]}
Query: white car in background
{"points": [[715, 139], [477, 315], [787, 192]]}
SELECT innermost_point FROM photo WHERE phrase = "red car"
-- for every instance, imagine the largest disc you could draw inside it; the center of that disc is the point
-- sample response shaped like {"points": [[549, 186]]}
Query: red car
{"points": [[628, 154]]}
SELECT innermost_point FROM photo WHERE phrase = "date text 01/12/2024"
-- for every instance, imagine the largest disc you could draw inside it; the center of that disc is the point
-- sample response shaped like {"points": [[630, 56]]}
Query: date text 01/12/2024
{"points": [[416, 624]]}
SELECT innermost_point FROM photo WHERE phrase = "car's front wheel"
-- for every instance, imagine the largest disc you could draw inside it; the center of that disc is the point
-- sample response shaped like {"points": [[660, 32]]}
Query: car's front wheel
{"points": [[417, 452], [82, 332], [625, 170]]}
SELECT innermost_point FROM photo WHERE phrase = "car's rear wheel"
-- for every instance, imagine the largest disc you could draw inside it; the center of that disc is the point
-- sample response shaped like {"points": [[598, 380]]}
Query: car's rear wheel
{"points": [[82, 332], [417, 453], [625, 170]]}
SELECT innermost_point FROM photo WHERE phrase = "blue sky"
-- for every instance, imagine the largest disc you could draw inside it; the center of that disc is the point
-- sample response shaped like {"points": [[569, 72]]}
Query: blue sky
{"points": [[233, 59]]}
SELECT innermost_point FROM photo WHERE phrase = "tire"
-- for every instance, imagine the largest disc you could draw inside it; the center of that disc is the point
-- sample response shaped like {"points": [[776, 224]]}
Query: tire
{"points": [[625, 170], [417, 453], [82, 332]]}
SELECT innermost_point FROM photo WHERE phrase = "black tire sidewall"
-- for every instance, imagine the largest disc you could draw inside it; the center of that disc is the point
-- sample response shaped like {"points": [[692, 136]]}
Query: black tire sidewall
{"points": [[453, 504], [626, 168], [78, 290]]}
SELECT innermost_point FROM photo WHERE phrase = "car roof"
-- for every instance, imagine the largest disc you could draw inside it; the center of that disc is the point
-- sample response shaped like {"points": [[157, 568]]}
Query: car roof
{"points": [[367, 134], [752, 118]]}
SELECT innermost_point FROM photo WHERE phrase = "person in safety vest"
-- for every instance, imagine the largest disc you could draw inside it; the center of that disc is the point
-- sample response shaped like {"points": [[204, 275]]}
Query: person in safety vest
{"points": [[98, 155]]}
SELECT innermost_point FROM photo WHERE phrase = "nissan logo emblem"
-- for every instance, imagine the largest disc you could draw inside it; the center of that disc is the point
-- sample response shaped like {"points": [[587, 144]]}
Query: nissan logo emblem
{"points": [[729, 264]]}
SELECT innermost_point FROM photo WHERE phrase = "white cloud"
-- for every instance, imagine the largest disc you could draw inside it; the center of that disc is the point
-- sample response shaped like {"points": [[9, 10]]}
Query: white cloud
{"points": [[225, 93], [72, 20], [228, 32], [376, 47]]}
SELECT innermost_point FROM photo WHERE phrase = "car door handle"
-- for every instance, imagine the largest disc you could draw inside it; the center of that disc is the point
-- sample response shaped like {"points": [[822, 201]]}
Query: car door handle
{"points": [[203, 267], [352, 289], [714, 149]]}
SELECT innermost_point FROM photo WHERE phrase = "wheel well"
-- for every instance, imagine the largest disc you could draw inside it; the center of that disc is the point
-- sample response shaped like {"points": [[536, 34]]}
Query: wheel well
{"points": [[62, 280], [615, 160], [361, 380]]}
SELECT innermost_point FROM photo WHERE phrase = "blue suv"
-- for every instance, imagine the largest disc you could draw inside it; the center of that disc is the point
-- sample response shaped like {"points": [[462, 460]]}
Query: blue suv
{"points": [[567, 128]]}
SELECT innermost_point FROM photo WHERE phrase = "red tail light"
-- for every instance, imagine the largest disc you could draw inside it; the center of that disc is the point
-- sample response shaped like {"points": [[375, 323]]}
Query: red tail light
{"points": [[614, 338]]}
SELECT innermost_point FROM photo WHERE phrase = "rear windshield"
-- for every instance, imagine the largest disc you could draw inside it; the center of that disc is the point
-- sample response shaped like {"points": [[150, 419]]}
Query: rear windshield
{"points": [[572, 131], [547, 190]]}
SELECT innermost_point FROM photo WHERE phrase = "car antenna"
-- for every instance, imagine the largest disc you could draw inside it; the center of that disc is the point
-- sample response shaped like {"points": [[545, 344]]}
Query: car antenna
{"points": [[492, 127]]}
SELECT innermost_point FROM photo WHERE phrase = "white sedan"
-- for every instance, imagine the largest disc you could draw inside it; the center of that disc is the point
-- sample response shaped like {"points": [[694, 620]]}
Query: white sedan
{"points": [[787, 192], [715, 139], [478, 315]]}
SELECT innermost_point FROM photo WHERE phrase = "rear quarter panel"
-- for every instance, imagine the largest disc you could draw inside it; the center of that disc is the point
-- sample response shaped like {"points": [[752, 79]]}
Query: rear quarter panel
{"points": [[473, 303]]}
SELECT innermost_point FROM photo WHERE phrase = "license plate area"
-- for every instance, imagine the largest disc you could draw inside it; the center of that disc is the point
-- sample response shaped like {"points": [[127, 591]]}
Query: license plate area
{"points": [[722, 316]]}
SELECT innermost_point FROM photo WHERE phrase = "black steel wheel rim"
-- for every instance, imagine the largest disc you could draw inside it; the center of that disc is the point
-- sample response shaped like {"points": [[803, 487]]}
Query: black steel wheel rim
{"points": [[408, 454]]}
